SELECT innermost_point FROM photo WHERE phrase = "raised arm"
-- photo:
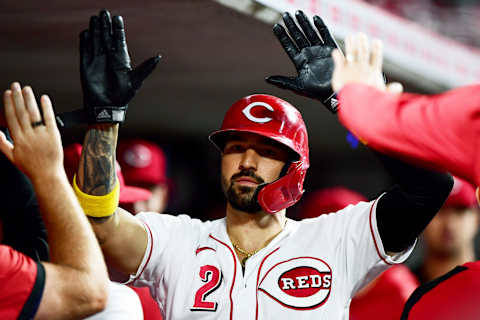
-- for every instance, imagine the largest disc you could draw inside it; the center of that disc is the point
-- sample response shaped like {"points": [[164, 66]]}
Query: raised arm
{"points": [[108, 83], [76, 279]]}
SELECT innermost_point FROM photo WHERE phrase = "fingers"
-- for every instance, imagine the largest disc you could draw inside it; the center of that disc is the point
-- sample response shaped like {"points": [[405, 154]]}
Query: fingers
{"points": [[31, 105], [376, 58], [48, 114], [294, 31], [307, 28], [118, 32], [363, 50], [357, 49], [142, 71], [287, 43], [21, 113], [349, 48], [6, 147], [95, 36], [10, 114], [106, 29], [324, 32], [85, 49], [283, 82], [338, 58], [119, 41]]}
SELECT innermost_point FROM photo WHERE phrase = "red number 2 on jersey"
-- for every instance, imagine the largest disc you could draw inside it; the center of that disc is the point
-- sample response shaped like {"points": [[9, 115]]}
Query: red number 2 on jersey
{"points": [[212, 278]]}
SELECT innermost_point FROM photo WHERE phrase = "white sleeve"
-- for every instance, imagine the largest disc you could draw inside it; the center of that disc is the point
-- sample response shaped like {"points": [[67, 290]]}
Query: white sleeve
{"points": [[167, 237], [363, 245], [123, 304]]}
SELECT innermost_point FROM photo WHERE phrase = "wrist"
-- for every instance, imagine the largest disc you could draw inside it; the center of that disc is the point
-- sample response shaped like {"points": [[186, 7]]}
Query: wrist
{"points": [[51, 178]]}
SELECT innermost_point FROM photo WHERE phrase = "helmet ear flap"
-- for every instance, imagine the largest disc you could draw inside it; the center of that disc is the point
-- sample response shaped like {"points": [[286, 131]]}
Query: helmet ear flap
{"points": [[284, 192]]}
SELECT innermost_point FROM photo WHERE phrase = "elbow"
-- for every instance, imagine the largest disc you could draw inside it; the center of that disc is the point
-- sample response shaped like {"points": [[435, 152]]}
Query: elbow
{"points": [[97, 297]]}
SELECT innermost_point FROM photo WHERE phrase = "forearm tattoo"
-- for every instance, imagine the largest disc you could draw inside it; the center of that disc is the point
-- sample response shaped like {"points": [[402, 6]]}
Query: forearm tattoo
{"points": [[97, 174]]}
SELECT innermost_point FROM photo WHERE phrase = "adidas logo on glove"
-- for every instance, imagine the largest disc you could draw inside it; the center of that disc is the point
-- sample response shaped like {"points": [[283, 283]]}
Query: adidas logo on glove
{"points": [[103, 115]]}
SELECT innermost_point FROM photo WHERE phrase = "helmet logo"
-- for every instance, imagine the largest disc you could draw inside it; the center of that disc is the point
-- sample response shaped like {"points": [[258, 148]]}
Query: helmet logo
{"points": [[247, 113]]}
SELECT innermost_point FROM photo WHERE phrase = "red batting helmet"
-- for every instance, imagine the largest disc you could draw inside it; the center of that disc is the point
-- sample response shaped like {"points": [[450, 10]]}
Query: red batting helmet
{"points": [[278, 120]]}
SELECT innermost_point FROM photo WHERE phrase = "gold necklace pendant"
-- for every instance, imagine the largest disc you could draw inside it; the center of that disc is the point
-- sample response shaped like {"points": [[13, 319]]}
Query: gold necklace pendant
{"points": [[244, 260]]}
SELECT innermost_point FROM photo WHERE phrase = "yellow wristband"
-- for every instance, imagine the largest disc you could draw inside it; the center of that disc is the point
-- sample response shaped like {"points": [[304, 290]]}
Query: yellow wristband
{"points": [[97, 206]]}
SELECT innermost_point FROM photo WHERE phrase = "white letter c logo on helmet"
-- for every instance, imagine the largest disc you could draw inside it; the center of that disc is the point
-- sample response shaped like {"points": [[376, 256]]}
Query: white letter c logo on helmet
{"points": [[246, 112]]}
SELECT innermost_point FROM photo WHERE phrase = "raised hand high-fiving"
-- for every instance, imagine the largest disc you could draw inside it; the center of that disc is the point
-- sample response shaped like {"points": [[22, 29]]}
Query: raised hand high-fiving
{"points": [[108, 80], [311, 53]]}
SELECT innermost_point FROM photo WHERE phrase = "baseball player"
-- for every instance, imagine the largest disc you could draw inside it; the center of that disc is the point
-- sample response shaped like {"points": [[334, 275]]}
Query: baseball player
{"points": [[437, 131], [255, 263], [74, 284]]}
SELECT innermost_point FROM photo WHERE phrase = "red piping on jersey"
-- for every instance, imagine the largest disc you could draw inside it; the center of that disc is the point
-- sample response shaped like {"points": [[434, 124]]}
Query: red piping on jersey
{"points": [[373, 235], [297, 308], [234, 273], [202, 249], [258, 277], [150, 253]]}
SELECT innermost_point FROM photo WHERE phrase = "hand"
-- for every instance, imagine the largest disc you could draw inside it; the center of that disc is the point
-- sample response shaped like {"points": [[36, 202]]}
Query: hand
{"points": [[108, 80], [362, 64], [312, 56], [37, 147]]}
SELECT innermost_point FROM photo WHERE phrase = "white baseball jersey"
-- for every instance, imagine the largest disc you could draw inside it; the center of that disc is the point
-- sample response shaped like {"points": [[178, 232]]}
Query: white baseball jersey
{"points": [[311, 270]]}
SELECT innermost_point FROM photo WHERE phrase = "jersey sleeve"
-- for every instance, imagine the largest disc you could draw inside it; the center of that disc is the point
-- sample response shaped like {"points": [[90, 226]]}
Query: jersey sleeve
{"points": [[362, 245], [123, 304], [22, 281], [437, 131], [168, 237]]}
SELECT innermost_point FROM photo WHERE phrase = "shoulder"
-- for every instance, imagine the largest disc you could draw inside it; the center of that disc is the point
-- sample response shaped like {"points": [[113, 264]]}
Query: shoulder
{"points": [[14, 261]]}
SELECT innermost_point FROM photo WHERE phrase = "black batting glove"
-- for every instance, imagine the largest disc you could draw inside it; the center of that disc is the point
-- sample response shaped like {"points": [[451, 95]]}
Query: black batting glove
{"points": [[312, 56], [108, 80]]}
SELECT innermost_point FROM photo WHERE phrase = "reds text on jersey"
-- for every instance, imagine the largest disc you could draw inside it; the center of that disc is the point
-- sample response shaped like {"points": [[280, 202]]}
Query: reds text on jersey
{"points": [[311, 270]]}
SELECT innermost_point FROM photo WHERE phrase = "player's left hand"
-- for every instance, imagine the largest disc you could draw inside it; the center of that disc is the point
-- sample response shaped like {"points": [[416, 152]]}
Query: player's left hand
{"points": [[312, 56], [37, 147], [108, 80]]}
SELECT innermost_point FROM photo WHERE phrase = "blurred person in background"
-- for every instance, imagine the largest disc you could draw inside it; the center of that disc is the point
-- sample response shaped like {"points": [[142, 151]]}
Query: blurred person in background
{"points": [[385, 296], [144, 165], [449, 237]]}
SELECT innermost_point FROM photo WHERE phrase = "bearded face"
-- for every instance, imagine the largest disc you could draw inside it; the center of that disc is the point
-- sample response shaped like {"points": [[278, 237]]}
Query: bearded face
{"points": [[243, 197]]}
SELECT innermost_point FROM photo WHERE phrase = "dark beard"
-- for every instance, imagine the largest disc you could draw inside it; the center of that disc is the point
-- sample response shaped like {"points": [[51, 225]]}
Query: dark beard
{"points": [[242, 198]]}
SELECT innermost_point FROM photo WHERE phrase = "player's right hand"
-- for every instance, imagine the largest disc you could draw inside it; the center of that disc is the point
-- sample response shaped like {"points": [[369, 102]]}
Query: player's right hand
{"points": [[311, 53], [108, 80], [37, 147], [362, 63]]}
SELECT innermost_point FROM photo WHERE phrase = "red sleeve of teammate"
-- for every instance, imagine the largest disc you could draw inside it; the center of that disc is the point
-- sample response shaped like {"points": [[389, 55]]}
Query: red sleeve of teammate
{"points": [[21, 284], [438, 131], [385, 297], [454, 295]]}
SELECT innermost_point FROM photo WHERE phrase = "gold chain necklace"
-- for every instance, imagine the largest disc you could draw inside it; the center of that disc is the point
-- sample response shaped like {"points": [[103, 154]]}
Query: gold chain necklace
{"points": [[249, 254], [246, 253]]}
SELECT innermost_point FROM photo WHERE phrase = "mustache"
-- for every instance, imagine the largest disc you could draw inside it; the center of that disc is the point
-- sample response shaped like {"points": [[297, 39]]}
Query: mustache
{"points": [[247, 173]]}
